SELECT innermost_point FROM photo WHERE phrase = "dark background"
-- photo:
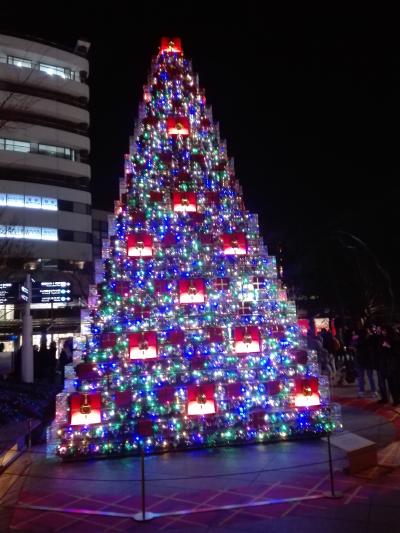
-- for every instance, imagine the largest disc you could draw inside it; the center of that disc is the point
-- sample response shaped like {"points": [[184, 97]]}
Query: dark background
{"points": [[308, 103]]}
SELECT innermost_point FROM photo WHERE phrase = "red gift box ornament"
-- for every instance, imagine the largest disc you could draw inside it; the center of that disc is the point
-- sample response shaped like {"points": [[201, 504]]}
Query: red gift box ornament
{"points": [[85, 409], [108, 340], [166, 394], [257, 419], [301, 356], [168, 240], [247, 339], [184, 202], [160, 286], [122, 288], [234, 244], [201, 400], [191, 291], [273, 388], [171, 45], [143, 345], [123, 398], [175, 337], [86, 371], [178, 126], [155, 196], [221, 284], [233, 390], [306, 392], [140, 245], [145, 428], [211, 198], [206, 238], [215, 334]]}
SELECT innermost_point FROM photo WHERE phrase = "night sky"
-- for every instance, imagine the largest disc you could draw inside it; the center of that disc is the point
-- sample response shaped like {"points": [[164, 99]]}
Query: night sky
{"points": [[307, 102]]}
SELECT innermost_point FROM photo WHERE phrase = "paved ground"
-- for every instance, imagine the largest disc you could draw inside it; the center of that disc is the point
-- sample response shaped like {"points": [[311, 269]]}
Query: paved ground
{"points": [[203, 479]]}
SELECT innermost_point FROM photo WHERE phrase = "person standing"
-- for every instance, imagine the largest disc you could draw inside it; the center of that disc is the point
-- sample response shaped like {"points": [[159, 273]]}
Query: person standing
{"points": [[52, 362], [389, 365], [365, 361]]}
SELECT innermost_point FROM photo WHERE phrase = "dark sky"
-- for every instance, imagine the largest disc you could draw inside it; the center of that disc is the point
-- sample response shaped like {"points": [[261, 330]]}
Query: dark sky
{"points": [[308, 103]]}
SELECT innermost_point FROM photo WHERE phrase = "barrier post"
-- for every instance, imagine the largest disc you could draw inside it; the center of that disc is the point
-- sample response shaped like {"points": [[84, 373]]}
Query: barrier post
{"points": [[143, 482], [332, 480]]}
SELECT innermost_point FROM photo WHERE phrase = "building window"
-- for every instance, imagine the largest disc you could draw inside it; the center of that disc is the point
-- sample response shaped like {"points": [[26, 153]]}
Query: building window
{"points": [[14, 146], [56, 151], [52, 70], [28, 201], [19, 62], [28, 232], [44, 149]]}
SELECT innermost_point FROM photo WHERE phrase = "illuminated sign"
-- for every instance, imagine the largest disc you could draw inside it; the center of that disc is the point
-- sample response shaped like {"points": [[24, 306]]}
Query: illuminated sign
{"points": [[51, 291]]}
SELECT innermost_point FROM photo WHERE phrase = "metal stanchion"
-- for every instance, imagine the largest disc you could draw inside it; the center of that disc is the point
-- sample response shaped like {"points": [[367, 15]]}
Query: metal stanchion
{"points": [[143, 516], [333, 493], [29, 434], [143, 484]]}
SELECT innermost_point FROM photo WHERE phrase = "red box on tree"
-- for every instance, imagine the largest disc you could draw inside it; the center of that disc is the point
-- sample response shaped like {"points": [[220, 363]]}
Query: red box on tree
{"points": [[257, 419], [145, 427], [166, 394], [215, 334], [247, 339], [301, 356], [306, 392], [273, 387], [191, 291], [184, 202], [175, 337], [123, 398], [160, 286], [171, 45], [178, 126], [233, 390], [85, 409], [234, 244], [122, 288], [143, 345], [108, 340], [86, 371], [201, 399], [140, 245], [156, 196]]}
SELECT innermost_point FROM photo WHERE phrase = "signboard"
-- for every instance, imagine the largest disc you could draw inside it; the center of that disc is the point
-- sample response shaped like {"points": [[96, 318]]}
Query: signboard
{"points": [[51, 291], [8, 293], [42, 292]]}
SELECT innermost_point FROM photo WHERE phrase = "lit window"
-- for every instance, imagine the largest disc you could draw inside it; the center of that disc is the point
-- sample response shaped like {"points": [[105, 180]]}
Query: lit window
{"points": [[33, 232], [28, 201], [33, 202], [15, 232], [47, 149], [49, 234], [19, 62], [52, 70], [15, 200], [50, 204], [17, 146], [28, 232]]}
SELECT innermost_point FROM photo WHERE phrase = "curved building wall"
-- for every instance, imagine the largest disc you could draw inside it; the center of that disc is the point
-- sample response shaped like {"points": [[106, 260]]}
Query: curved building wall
{"points": [[45, 201]]}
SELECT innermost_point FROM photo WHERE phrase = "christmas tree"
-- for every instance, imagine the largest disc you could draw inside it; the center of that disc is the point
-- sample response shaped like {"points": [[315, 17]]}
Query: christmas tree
{"points": [[194, 341]]}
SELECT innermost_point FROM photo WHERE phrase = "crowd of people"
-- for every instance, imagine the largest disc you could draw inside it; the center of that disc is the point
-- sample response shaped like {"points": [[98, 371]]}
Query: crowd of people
{"points": [[48, 365], [360, 352]]}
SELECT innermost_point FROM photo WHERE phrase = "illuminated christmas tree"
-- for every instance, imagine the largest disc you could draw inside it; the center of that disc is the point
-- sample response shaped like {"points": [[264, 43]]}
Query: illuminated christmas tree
{"points": [[194, 342]]}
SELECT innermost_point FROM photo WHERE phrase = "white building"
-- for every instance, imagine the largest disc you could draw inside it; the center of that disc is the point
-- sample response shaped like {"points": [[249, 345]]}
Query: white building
{"points": [[45, 200]]}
